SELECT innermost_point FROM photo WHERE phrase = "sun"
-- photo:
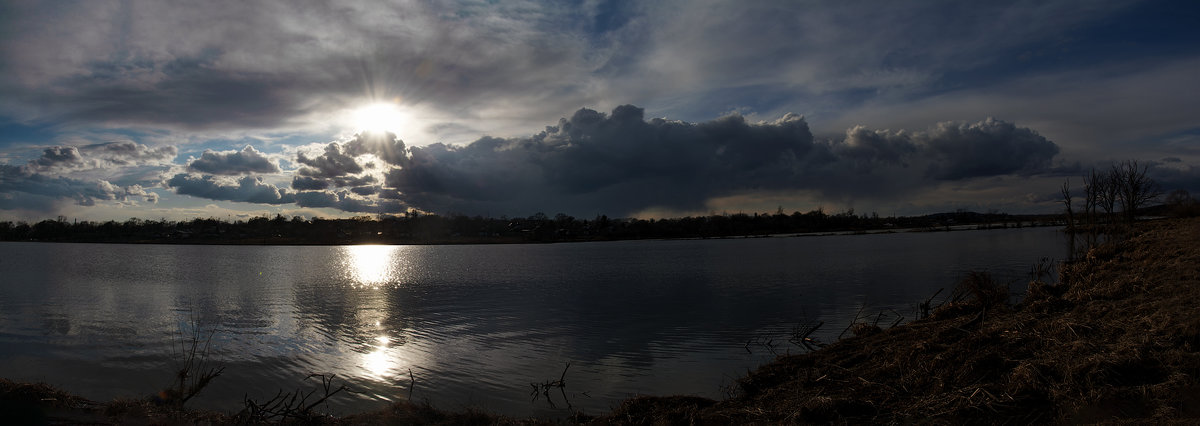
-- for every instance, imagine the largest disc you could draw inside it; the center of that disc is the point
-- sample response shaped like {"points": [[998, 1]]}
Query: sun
{"points": [[379, 117]]}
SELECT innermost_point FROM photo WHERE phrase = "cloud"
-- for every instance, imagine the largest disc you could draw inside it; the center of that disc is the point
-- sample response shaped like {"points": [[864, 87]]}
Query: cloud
{"points": [[129, 153], [1172, 175], [247, 189], [952, 150], [353, 180], [332, 163], [273, 66], [103, 155], [83, 174], [365, 190], [618, 163], [384, 145], [346, 201], [22, 181], [59, 157], [987, 148], [246, 161], [621, 163], [306, 183]]}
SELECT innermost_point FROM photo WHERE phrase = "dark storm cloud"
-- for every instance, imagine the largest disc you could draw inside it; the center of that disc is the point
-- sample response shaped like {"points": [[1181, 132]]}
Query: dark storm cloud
{"points": [[953, 150], [620, 163], [246, 161], [247, 189], [21, 181], [868, 149], [987, 148]]}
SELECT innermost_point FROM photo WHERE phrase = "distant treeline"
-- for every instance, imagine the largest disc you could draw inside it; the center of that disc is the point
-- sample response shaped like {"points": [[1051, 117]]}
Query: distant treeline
{"points": [[435, 229]]}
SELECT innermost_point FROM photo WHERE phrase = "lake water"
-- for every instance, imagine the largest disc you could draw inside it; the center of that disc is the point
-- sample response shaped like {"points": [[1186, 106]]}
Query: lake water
{"points": [[475, 324]]}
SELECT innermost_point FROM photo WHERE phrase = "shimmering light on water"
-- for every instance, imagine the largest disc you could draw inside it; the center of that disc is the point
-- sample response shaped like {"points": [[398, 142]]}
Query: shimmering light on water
{"points": [[379, 364], [369, 265]]}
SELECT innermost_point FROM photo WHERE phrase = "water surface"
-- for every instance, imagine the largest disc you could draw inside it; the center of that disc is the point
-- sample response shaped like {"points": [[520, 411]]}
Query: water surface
{"points": [[475, 325]]}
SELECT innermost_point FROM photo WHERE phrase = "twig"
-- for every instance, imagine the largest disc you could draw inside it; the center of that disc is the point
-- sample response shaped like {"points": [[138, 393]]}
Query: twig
{"points": [[899, 318], [291, 404], [855, 321], [412, 382], [926, 306], [801, 333], [544, 388]]}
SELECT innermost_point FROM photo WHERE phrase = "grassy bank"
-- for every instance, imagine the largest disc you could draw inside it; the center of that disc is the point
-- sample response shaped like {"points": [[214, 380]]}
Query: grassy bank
{"points": [[1118, 339]]}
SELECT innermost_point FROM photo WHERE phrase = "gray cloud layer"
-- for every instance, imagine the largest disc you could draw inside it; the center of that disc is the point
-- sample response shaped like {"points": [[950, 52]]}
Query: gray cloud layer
{"points": [[271, 64]]}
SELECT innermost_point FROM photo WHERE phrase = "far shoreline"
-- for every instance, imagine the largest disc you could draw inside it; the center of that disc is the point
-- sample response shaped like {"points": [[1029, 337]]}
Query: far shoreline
{"points": [[516, 241]]}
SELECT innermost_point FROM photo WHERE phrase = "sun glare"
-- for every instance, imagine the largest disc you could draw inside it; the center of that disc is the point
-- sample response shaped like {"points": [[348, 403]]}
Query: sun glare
{"points": [[379, 117], [369, 265]]}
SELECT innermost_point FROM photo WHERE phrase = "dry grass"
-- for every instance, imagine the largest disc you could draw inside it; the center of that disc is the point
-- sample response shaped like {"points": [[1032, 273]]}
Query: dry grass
{"points": [[1117, 341]]}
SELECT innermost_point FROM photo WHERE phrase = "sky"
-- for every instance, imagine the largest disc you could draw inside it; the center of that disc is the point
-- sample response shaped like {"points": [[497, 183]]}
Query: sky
{"points": [[112, 110]]}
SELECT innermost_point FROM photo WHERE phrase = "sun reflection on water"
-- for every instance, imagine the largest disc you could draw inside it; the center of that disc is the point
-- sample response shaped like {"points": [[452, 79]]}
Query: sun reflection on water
{"points": [[381, 343], [379, 363], [387, 358], [370, 265]]}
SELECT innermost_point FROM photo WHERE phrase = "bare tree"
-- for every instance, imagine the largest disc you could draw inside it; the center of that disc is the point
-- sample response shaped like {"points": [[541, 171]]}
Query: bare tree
{"points": [[1093, 184], [1109, 195], [1135, 188], [1066, 193]]}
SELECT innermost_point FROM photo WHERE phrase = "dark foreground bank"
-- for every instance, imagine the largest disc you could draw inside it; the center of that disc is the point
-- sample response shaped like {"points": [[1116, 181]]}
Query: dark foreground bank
{"points": [[1118, 339]]}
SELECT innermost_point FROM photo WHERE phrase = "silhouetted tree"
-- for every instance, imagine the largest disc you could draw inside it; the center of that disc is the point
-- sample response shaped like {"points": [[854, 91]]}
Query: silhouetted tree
{"points": [[1108, 195], [1135, 188], [1066, 193]]}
